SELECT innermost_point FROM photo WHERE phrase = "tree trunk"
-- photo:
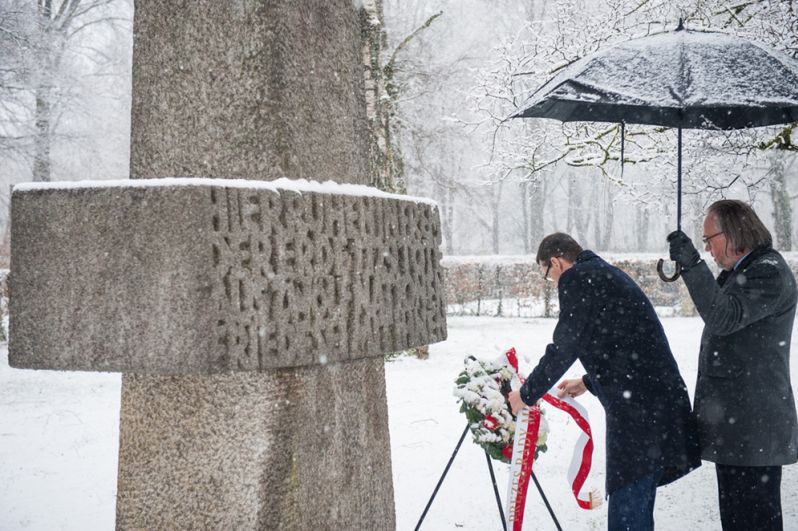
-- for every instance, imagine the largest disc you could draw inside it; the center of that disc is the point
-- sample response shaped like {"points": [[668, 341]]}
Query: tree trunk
{"points": [[582, 217], [382, 94], [449, 221], [696, 220], [641, 229], [41, 157], [572, 199], [576, 222], [536, 204], [43, 110], [496, 217], [378, 109], [606, 237], [597, 192], [446, 194], [782, 207], [525, 229]]}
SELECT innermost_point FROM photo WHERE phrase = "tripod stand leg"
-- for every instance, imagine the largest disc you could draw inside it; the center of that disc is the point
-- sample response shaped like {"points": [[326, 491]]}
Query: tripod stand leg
{"points": [[445, 470], [546, 501], [496, 492]]}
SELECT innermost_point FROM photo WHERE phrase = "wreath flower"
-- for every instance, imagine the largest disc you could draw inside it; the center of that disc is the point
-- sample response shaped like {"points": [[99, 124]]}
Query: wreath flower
{"points": [[482, 388]]}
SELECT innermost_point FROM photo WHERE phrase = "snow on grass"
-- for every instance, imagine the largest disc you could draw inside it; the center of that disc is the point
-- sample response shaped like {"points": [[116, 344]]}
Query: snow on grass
{"points": [[59, 441]]}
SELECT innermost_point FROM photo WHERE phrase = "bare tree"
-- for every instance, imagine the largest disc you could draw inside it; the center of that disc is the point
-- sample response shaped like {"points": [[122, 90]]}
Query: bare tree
{"points": [[54, 59], [576, 28], [16, 38], [443, 155]]}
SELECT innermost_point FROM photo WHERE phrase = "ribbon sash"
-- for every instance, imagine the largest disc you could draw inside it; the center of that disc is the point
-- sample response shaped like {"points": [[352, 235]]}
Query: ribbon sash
{"points": [[526, 437], [582, 458], [525, 442]]}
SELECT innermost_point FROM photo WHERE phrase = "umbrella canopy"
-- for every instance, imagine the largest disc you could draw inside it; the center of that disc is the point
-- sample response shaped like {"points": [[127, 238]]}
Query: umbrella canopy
{"points": [[682, 78]]}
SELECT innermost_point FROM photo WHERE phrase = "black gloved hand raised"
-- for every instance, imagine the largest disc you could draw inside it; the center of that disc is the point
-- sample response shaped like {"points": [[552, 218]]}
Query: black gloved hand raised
{"points": [[683, 250]]}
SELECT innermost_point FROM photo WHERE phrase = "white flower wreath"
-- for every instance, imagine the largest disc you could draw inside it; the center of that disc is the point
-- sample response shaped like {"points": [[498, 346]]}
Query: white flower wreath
{"points": [[482, 389]]}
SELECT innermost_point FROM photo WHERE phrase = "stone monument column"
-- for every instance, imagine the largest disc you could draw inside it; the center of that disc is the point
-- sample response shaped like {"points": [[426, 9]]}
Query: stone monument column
{"points": [[252, 89], [249, 318]]}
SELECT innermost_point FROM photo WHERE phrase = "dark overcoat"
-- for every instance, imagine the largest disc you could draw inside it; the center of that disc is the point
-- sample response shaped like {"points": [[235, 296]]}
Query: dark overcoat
{"points": [[744, 401], [608, 323]]}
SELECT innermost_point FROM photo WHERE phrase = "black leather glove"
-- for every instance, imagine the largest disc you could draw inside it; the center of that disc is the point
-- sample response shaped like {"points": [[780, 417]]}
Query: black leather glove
{"points": [[683, 250]]}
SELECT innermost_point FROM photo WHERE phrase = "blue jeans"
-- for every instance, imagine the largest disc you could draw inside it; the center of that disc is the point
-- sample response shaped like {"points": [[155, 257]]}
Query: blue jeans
{"points": [[632, 506]]}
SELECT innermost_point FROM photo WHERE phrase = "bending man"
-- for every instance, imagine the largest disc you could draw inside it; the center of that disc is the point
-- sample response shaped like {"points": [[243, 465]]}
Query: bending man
{"points": [[610, 326]]}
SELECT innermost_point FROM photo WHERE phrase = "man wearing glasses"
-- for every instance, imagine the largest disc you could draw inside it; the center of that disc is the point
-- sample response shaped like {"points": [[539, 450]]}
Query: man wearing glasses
{"points": [[744, 401], [610, 326]]}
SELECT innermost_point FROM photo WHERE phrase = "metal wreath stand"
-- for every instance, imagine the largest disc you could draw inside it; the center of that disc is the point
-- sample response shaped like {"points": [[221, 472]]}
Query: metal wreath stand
{"points": [[495, 488]]}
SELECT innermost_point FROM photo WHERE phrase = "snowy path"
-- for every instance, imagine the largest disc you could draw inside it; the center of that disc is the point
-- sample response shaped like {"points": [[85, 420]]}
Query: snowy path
{"points": [[59, 431]]}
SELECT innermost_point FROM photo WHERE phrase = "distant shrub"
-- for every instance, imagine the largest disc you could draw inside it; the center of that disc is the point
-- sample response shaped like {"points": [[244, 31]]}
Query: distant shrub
{"points": [[512, 286]]}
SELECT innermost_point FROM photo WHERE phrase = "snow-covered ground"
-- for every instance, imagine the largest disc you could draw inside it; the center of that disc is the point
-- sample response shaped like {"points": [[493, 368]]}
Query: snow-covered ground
{"points": [[59, 431]]}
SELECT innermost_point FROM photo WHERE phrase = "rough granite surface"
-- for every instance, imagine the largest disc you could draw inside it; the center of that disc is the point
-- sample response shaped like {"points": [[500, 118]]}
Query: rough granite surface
{"points": [[304, 448], [204, 279], [248, 89]]}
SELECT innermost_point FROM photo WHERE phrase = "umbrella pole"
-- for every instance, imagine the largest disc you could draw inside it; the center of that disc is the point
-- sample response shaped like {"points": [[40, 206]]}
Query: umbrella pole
{"points": [[661, 262], [679, 179]]}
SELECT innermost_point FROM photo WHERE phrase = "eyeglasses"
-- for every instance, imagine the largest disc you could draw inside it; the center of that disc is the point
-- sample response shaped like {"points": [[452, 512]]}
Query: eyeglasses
{"points": [[706, 239], [546, 274]]}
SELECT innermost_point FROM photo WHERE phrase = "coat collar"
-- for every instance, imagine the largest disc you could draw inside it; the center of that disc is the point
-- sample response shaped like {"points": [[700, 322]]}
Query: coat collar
{"points": [[725, 275], [584, 256]]}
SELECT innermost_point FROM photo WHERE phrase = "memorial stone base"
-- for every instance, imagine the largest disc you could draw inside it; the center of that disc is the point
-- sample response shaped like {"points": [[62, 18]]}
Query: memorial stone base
{"points": [[275, 450]]}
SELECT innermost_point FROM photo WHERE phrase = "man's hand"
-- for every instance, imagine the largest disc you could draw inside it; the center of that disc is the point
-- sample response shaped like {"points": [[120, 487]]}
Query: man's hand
{"points": [[683, 250], [515, 401], [572, 388]]}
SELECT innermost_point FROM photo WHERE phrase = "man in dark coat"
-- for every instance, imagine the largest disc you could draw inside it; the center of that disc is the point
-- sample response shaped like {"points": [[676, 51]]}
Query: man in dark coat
{"points": [[610, 326], [744, 401]]}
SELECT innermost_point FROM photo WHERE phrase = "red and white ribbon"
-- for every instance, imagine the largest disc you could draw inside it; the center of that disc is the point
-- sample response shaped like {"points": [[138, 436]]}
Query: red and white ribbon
{"points": [[582, 458], [526, 435]]}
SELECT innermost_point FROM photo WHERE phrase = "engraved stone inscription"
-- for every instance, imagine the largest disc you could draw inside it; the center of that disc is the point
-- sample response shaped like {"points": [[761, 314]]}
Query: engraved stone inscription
{"points": [[312, 275]]}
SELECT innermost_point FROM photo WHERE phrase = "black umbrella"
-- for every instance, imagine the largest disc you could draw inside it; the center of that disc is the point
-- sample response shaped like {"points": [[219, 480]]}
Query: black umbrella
{"points": [[682, 79]]}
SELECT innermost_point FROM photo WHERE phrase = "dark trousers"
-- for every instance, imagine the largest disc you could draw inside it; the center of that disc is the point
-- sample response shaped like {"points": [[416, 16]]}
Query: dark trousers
{"points": [[632, 506], [749, 497]]}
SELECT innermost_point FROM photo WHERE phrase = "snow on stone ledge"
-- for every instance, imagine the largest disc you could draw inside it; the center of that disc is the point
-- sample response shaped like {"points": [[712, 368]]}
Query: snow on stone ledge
{"points": [[283, 184]]}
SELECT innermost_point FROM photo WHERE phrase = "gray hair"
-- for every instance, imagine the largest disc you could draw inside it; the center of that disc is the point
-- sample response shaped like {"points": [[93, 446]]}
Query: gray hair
{"points": [[740, 224]]}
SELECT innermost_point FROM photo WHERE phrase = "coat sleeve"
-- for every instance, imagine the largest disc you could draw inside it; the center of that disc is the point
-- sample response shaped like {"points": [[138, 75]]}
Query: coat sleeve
{"points": [[570, 335], [588, 383], [748, 297]]}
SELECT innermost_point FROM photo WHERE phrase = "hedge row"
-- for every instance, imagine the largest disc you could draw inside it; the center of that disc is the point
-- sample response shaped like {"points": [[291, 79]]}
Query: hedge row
{"points": [[497, 285]]}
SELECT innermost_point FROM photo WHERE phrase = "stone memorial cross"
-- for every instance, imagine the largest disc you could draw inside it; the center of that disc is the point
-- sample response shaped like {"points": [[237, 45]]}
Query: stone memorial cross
{"points": [[249, 316]]}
